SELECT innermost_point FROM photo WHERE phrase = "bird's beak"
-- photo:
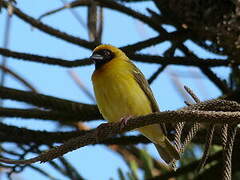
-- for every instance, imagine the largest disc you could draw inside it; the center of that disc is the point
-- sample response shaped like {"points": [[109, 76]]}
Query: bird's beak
{"points": [[96, 57]]}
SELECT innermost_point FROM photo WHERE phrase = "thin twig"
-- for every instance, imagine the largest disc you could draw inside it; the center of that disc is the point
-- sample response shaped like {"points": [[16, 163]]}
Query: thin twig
{"points": [[75, 15], [216, 80], [177, 137], [41, 171], [185, 169], [71, 171], [227, 164], [208, 72], [77, 80], [151, 41], [206, 152], [50, 30], [19, 78], [156, 74], [192, 132], [190, 92], [6, 40], [224, 135]]}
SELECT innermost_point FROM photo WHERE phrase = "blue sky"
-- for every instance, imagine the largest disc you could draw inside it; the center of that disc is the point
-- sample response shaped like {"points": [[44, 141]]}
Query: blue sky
{"points": [[91, 161]]}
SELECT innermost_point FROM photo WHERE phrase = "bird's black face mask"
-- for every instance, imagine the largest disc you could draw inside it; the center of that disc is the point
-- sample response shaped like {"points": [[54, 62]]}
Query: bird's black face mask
{"points": [[101, 57]]}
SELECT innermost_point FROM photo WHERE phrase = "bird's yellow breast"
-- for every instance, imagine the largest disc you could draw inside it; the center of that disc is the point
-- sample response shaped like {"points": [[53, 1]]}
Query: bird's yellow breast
{"points": [[117, 93]]}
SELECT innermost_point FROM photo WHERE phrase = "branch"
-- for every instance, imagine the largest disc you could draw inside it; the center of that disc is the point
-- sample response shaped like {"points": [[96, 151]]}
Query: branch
{"points": [[115, 6], [44, 173], [62, 117], [70, 111], [50, 30], [25, 136], [153, 41], [44, 59], [227, 153], [18, 77], [49, 102], [207, 147], [186, 61], [216, 80], [207, 71], [69, 115], [188, 168], [111, 129], [156, 73]]}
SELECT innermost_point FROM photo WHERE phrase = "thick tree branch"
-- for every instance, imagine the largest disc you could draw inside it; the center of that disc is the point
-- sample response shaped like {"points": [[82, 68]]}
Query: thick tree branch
{"points": [[48, 102], [186, 61], [111, 129], [61, 117], [25, 136], [44, 59]]}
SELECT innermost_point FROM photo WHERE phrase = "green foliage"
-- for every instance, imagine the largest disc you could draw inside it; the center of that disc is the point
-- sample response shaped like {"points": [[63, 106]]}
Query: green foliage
{"points": [[121, 174], [147, 163], [147, 167]]}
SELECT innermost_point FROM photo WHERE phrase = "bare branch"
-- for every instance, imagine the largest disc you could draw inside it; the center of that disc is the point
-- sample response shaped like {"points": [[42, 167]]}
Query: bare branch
{"points": [[227, 153], [186, 61], [19, 78], [216, 80], [50, 30], [152, 41], [44, 59], [156, 74], [206, 152], [115, 6], [190, 92], [49, 102], [112, 129], [79, 83], [61, 117], [137, 57]]}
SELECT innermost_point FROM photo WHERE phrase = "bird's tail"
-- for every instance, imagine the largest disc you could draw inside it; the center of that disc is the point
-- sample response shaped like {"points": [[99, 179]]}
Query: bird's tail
{"points": [[167, 151]]}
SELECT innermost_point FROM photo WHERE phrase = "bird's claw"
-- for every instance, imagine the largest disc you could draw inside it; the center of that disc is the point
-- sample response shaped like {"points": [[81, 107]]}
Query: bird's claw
{"points": [[124, 121]]}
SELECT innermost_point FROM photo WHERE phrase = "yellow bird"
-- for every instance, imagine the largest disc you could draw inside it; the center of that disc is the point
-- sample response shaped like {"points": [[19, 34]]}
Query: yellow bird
{"points": [[122, 91]]}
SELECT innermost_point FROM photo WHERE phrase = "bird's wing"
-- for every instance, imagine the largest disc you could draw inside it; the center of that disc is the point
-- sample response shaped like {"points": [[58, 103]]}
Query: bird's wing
{"points": [[143, 83]]}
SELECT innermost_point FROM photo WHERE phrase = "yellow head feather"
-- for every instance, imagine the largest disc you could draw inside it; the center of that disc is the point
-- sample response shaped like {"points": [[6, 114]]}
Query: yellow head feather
{"points": [[117, 52]]}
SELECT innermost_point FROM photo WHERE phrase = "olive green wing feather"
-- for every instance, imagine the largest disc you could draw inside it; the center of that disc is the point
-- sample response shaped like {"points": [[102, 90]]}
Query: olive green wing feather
{"points": [[143, 83]]}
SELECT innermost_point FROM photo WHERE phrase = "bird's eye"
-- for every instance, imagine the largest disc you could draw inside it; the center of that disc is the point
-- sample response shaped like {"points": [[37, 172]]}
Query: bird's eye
{"points": [[107, 53]]}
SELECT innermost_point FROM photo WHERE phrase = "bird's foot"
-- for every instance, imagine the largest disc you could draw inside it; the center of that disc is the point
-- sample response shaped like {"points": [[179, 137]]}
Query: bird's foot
{"points": [[124, 121]]}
